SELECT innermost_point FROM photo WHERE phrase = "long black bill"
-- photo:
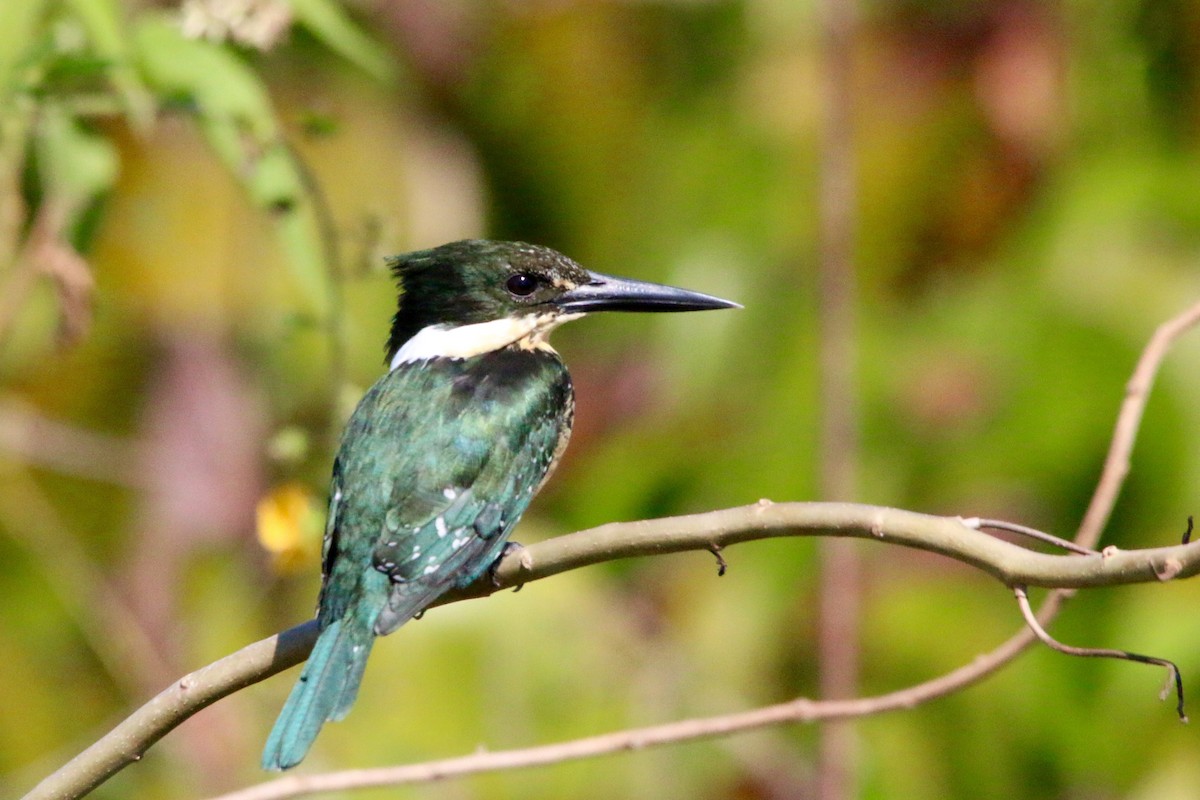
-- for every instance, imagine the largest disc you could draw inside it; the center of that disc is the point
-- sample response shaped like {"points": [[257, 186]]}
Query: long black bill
{"points": [[607, 293]]}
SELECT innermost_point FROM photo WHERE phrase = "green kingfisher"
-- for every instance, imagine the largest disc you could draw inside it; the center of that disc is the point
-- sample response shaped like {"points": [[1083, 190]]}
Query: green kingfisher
{"points": [[444, 453]]}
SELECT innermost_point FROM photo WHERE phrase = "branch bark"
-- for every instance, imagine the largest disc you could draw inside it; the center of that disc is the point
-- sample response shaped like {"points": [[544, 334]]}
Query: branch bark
{"points": [[949, 536]]}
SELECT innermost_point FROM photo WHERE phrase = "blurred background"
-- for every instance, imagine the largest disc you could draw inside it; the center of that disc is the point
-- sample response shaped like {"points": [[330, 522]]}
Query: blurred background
{"points": [[194, 206]]}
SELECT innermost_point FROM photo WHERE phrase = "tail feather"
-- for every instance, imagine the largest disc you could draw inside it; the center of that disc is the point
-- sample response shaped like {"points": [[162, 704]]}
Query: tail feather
{"points": [[326, 691]]}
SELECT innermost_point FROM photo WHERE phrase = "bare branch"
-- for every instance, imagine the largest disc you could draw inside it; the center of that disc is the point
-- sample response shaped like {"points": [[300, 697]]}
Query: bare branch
{"points": [[948, 536], [1009, 563]]}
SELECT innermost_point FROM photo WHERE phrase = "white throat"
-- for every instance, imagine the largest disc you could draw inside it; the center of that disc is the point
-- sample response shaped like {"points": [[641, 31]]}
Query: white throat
{"points": [[464, 341]]}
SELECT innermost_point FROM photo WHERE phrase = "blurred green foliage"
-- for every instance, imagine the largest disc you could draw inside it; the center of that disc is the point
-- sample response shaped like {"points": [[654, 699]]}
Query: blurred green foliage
{"points": [[1028, 178]]}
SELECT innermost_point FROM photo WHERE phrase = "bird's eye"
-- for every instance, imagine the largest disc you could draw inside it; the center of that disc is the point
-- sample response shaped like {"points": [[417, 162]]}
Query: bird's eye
{"points": [[522, 284]]}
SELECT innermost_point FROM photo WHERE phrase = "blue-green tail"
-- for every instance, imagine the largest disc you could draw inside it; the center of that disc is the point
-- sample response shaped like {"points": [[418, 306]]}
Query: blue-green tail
{"points": [[325, 691]]}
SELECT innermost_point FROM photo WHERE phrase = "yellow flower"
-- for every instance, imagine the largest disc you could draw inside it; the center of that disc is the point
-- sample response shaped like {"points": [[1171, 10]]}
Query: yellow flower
{"points": [[290, 523]]}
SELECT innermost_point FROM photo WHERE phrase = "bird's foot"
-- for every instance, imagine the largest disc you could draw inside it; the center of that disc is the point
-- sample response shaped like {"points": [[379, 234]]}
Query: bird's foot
{"points": [[509, 549]]}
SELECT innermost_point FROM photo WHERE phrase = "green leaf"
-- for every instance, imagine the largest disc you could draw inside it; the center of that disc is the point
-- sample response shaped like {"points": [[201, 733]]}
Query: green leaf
{"points": [[19, 22], [329, 23], [109, 39], [223, 90], [235, 113], [76, 165]]}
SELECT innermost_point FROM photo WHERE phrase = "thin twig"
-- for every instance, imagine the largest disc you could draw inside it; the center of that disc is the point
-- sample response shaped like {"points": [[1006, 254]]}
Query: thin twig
{"points": [[1173, 675], [722, 566], [1137, 391], [1032, 533]]}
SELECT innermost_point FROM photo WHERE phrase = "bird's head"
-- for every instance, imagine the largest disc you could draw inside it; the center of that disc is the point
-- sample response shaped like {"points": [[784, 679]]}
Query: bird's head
{"points": [[474, 296]]}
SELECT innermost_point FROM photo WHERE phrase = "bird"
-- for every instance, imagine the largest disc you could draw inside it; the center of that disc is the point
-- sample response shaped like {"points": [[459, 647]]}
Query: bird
{"points": [[444, 453]]}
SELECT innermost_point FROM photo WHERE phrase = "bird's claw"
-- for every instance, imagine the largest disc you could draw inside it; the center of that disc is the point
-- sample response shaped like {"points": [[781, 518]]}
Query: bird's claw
{"points": [[509, 549]]}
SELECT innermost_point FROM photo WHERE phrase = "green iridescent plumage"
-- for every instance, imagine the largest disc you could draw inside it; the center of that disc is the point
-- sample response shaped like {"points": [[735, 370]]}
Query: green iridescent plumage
{"points": [[444, 520], [445, 452]]}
